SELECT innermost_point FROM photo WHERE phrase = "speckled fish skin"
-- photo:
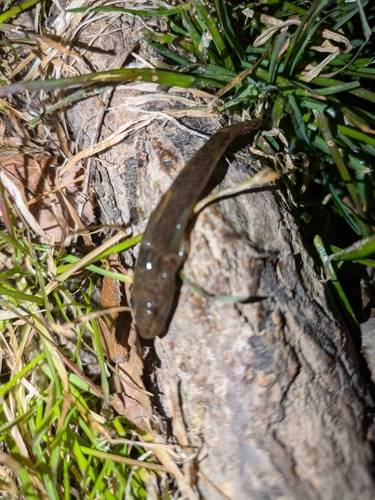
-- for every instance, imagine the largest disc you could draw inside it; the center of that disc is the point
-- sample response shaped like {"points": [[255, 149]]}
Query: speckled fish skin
{"points": [[165, 244]]}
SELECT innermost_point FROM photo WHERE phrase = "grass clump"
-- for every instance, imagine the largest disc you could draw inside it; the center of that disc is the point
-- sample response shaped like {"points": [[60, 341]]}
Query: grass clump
{"points": [[57, 427]]}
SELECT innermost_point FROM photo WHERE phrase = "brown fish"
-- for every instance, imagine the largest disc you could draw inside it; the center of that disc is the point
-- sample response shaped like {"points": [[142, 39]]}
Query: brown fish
{"points": [[165, 243]]}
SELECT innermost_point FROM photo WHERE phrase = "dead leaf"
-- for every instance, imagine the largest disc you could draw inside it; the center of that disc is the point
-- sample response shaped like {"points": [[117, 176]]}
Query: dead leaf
{"points": [[111, 297], [34, 179], [132, 410], [133, 400]]}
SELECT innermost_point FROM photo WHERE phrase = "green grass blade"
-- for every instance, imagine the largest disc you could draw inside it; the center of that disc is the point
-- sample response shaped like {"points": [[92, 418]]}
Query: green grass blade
{"points": [[13, 242], [278, 110], [347, 13], [21, 374], [17, 10], [359, 92], [335, 89], [169, 54], [318, 242], [191, 29], [228, 31], [100, 358], [342, 209], [365, 26], [215, 32], [359, 250], [299, 125], [355, 222], [119, 76], [22, 297], [95, 269], [335, 152], [277, 47], [302, 35], [291, 7], [75, 97], [356, 134]]}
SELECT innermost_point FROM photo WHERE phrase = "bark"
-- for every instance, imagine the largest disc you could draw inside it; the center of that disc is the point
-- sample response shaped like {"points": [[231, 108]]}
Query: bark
{"points": [[267, 394]]}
